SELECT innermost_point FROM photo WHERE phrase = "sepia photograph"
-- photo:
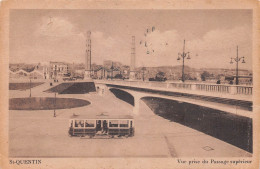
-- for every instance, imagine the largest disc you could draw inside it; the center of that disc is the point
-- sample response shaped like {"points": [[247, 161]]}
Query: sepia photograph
{"points": [[131, 83]]}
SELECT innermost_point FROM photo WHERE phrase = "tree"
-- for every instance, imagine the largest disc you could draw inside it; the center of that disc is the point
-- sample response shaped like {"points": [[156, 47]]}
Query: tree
{"points": [[187, 77], [160, 76], [204, 75], [118, 76]]}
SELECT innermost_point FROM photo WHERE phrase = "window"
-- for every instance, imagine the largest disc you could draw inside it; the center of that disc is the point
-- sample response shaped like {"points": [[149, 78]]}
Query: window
{"points": [[90, 123], [124, 123], [71, 123], [79, 123], [113, 123]]}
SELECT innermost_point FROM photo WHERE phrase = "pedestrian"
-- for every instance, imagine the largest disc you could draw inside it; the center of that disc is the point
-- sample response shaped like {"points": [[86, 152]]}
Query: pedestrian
{"points": [[105, 126]]}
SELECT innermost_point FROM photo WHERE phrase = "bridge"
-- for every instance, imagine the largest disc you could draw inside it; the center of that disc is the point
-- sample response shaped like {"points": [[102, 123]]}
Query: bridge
{"points": [[235, 99], [222, 111]]}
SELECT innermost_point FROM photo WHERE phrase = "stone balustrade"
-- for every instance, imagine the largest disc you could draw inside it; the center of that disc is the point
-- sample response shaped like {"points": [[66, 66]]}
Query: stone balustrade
{"points": [[217, 88]]}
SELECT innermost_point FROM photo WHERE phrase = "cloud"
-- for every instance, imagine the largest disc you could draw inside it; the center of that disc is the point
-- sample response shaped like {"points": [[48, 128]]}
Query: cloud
{"points": [[56, 27], [102, 42], [214, 49], [66, 43], [221, 40]]}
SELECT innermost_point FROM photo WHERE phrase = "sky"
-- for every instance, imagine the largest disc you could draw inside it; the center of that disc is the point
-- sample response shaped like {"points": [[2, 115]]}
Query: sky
{"points": [[211, 36]]}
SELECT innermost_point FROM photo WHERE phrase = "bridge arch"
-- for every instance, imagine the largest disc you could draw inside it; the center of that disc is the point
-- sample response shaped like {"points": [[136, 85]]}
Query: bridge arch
{"points": [[123, 95], [134, 98]]}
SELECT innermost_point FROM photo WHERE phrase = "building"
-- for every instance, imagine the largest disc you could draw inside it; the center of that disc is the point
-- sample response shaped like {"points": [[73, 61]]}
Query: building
{"points": [[88, 69], [58, 70], [22, 74], [132, 61], [99, 73]]}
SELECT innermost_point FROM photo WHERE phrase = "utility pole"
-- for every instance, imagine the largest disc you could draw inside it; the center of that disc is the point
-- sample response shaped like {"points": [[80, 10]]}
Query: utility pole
{"points": [[143, 69], [112, 68], [237, 59], [30, 87], [183, 56], [55, 73], [54, 114]]}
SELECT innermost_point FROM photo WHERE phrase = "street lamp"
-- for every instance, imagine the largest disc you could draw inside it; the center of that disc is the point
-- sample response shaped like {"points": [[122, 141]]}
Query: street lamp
{"points": [[55, 73], [54, 113], [237, 59], [183, 55], [143, 69], [112, 68], [30, 87]]}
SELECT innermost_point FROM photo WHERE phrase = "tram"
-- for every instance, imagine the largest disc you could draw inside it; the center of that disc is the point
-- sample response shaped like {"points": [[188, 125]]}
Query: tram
{"points": [[101, 125]]}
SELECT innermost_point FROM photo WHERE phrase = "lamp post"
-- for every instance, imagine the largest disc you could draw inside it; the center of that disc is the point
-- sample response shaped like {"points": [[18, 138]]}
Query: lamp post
{"points": [[30, 87], [54, 113], [55, 73], [143, 69], [183, 55], [237, 59], [112, 68]]}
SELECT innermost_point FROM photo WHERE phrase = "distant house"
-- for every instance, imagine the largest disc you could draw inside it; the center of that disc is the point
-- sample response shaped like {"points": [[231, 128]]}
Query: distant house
{"points": [[36, 75], [116, 71], [46, 72], [245, 80], [58, 70], [99, 73], [211, 79], [102, 72], [22, 74], [19, 74]]}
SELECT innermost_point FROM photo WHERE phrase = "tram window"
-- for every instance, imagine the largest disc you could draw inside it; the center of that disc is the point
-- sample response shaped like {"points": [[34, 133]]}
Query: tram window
{"points": [[71, 123], [89, 123], [113, 123], [76, 123], [124, 123], [79, 123]]}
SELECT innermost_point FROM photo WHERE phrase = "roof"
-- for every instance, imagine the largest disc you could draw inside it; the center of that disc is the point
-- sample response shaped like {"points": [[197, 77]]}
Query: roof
{"points": [[19, 71], [101, 116], [61, 63]]}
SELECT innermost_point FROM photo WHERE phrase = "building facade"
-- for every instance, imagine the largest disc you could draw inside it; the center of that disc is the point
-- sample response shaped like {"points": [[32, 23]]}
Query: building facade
{"points": [[58, 70]]}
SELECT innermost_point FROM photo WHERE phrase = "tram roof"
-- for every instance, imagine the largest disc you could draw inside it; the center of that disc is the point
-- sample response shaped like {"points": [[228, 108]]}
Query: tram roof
{"points": [[101, 116]]}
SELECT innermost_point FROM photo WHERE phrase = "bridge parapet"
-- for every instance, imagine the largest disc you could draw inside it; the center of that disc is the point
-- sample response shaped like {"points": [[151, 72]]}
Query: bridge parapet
{"points": [[215, 88], [231, 89]]}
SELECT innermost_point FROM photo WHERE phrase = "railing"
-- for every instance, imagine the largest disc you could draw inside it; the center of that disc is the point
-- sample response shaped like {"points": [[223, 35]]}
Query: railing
{"points": [[213, 88], [180, 85], [217, 88], [244, 90]]}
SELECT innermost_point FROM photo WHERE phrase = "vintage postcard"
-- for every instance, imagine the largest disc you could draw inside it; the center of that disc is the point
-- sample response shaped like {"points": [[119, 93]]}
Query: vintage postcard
{"points": [[129, 84]]}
